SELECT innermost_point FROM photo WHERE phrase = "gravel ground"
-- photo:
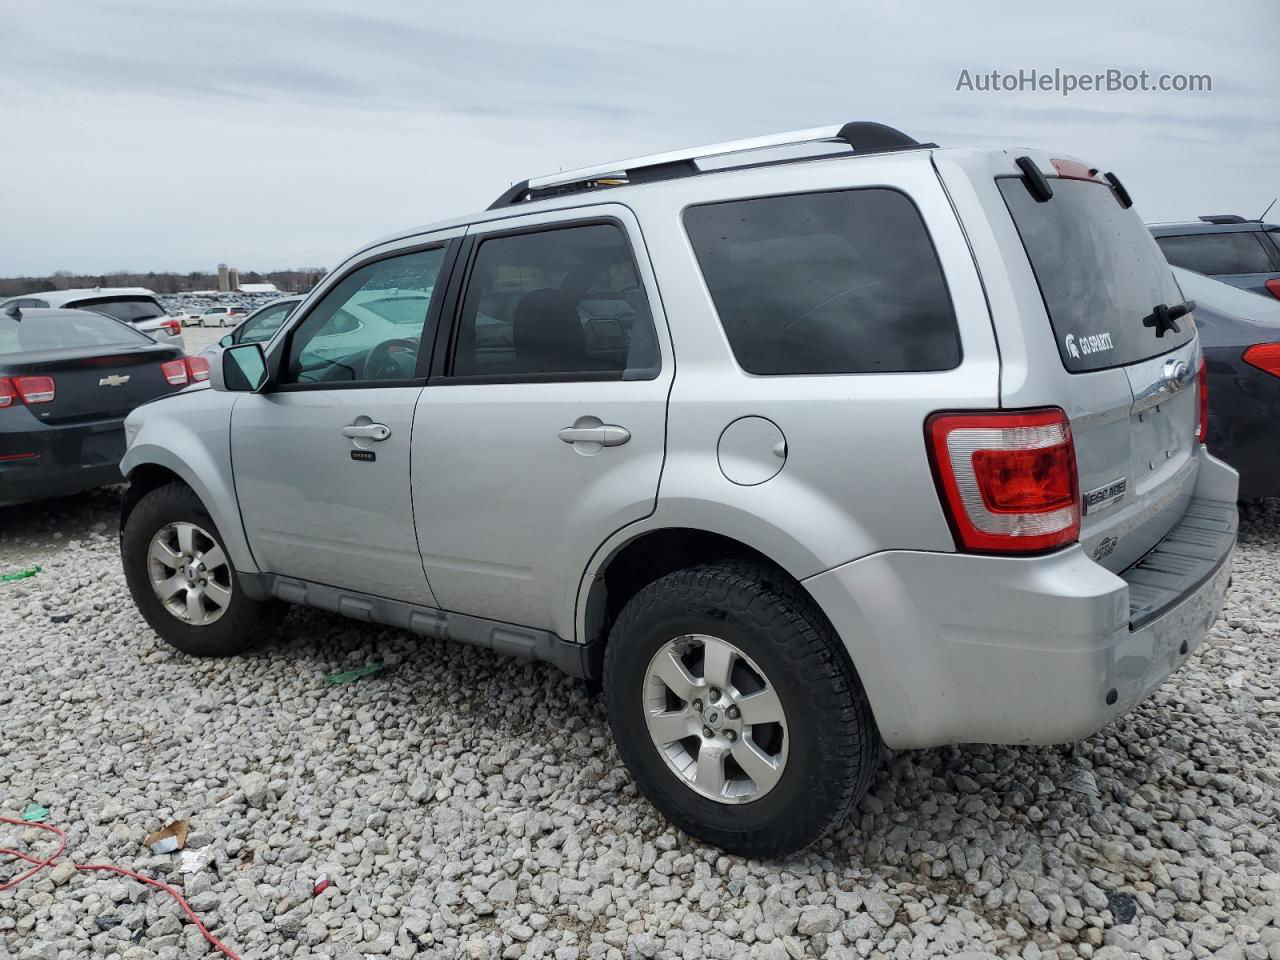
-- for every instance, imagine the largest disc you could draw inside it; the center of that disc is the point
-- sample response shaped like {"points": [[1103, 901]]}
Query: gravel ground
{"points": [[197, 338], [464, 805]]}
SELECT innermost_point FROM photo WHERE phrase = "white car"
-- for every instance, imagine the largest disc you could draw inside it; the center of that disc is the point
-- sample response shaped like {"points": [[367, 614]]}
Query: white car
{"points": [[388, 314], [225, 316], [136, 306]]}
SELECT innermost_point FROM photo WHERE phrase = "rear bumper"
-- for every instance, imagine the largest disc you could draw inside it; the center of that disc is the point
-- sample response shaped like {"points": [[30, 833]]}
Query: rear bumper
{"points": [[957, 648], [63, 459]]}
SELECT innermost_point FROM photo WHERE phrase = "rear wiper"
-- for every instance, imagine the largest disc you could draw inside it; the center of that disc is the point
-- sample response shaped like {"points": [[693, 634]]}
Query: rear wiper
{"points": [[1164, 317]]}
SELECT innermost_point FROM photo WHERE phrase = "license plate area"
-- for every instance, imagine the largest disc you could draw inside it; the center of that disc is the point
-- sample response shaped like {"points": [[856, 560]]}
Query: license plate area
{"points": [[101, 449]]}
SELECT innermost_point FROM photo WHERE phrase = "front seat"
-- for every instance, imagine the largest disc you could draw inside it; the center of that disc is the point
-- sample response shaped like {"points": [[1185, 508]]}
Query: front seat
{"points": [[546, 333]]}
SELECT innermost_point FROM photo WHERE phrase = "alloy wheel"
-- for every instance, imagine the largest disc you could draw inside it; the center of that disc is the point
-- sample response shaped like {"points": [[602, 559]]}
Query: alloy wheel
{"points": [[715, 718], [189, 572]]}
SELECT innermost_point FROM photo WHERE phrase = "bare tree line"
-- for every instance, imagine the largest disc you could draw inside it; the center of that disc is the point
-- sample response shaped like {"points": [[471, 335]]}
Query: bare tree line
{"points": [[297, 280]]}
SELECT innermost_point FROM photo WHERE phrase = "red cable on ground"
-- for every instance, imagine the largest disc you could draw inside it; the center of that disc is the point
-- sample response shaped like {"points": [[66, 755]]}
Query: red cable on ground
{"points": [[149, 881]]}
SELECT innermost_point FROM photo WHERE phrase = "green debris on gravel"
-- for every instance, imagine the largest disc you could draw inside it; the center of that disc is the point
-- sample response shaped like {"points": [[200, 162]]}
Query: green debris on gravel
{"points": [[35, 813], [350, 676], [22, 574]]}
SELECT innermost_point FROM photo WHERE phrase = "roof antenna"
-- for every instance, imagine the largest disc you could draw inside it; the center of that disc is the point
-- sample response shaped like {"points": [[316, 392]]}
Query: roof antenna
{"points": [[1268, 210]]}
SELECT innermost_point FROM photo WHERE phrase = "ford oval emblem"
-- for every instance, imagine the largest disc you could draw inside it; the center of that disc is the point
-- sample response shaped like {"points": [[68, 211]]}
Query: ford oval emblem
{"points": [[1177, 374]]}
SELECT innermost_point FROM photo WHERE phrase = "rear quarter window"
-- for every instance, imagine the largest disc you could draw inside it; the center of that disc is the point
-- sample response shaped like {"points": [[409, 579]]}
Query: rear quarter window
{"points": [[1099, 271], [826, 283]]}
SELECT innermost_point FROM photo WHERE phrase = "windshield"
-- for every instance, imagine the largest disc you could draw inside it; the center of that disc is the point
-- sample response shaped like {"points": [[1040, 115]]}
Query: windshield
{"points": [[1100, 273], [128, 309], [62, 330]]}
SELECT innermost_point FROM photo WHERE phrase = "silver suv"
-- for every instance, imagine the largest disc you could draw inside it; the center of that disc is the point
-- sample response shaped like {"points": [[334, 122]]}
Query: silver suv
{"points": [[792, 445]]}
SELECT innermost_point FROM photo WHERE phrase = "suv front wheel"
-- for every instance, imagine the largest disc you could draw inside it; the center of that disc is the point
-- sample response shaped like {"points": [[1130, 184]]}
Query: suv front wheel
{"points": [[183, 580], [736, 709]]}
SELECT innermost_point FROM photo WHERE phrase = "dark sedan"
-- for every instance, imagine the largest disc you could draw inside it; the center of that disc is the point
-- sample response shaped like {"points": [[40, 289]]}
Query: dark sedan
{"points": [[1240, 336], [68, 378]]}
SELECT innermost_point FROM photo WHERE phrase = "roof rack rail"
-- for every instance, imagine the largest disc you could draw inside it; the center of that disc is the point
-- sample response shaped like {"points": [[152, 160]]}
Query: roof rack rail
{"points": [[1224, 218], [862, 136]]}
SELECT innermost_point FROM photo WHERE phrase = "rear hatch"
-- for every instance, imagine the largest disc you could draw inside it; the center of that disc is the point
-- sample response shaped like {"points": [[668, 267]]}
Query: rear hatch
{"points": [[1130, 367]]}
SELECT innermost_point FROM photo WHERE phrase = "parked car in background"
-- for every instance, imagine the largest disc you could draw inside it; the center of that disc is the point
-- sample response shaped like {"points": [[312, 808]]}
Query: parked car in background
{"points": [[1240, 337], [1243, 253], [133, 305], [907, 449], [258, 327], [223, 316], [188, 318], [68, 378]]}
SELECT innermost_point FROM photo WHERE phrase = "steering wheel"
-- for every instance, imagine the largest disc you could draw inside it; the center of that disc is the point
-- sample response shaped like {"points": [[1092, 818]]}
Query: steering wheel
{"points": [[392, 360]]}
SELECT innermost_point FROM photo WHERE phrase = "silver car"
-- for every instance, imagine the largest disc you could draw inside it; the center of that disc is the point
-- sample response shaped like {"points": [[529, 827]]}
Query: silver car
{"points": [[791, 445], [137, 306]]}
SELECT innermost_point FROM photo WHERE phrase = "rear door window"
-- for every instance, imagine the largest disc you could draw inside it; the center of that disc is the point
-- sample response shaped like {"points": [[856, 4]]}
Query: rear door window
{"points": [[560, 303], [1100, 273], [826, 283], [1218, 253]]}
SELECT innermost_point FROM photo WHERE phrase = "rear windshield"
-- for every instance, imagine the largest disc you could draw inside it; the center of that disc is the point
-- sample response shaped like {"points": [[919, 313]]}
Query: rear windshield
{"points": [[1100, 273], [1218, 253], [62, 330], [843, 282], [129, 309]]}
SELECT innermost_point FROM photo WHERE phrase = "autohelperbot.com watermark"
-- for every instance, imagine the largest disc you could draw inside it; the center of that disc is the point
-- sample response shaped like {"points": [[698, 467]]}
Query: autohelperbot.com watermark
{"points": [[1066, 82]]}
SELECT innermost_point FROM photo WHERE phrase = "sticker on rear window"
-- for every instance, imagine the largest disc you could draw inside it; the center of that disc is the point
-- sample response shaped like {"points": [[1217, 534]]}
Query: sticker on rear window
{"points": [[1093, 343]]}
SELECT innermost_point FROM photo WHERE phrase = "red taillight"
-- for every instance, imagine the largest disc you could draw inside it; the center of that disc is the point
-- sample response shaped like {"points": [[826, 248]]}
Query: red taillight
{"points": [[173, 325], [1264, 356], [197, 369], [1202, 388], [1273, 287], [8, 394], [34, 389], [1007, 480], [175, 372]]}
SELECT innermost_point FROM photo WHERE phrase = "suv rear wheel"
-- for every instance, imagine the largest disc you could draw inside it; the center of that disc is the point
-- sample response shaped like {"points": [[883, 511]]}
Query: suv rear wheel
{"points": [[736, 709], [182, 579]]}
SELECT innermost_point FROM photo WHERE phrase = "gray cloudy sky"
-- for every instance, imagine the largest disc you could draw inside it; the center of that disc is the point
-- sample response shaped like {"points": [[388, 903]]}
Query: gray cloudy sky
{"points": [[168, 134]]}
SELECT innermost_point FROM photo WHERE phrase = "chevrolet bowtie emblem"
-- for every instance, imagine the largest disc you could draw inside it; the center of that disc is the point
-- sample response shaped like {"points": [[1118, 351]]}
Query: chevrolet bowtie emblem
{"points": [[115, 380]]}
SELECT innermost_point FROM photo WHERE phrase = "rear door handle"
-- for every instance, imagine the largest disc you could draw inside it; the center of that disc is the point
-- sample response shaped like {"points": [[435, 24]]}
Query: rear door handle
{"points": [[607, 435], [367, 431]]}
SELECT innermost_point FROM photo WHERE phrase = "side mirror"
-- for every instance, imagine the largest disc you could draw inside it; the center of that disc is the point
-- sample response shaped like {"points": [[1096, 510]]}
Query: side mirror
{"points": [[226, 341], [241, 368]]}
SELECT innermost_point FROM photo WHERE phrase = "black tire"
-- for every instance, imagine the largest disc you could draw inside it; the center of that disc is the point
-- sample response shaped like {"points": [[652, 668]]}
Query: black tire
{"points": [[244, 623], [832, 746]]}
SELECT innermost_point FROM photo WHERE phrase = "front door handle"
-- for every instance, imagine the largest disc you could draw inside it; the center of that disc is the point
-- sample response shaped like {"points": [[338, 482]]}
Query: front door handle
{"points": [[367, 431], [605, 434]]}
